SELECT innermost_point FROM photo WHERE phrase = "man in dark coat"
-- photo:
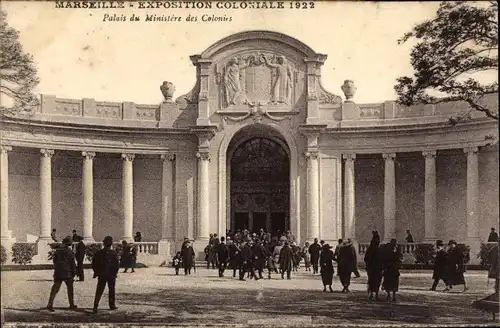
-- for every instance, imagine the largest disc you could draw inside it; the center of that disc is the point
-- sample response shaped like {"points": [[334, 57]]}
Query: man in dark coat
{"points": [[223, 255], [286, 261], [247, 258], [346, 264], [64, 271], [439, 265], [105, 265], [493, 237], [80, 256], [260, 257], [234, 257], [188, 256], [326, 264], [314, 251], [455, 267]]}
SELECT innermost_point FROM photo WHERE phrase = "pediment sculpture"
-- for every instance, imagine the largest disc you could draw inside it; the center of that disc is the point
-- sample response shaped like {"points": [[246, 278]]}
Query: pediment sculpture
{"points": [[258, 78]]}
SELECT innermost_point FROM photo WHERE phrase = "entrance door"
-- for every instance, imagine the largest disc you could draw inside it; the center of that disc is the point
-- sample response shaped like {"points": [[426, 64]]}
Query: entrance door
{"points": [[278, 222], [241, 220], [259, 221]]}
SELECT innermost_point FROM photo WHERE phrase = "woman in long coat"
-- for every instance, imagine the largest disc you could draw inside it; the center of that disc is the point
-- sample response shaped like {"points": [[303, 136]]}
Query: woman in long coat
{"points": [[373, 260], [326, 265], [456, 267], [188, 256], [346, 264], [392, 263]]}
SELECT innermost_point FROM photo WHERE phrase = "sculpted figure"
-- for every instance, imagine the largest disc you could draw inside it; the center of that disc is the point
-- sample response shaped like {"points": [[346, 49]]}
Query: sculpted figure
{"points": [[232, 81], [282, 87], [167, 89]]}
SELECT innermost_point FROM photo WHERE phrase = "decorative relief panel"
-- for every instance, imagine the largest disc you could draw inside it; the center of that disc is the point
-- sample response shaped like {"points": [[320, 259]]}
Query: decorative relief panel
{"points": [[146, 112], [108, 110], [68, 107], [371, 111], [255, 78]]}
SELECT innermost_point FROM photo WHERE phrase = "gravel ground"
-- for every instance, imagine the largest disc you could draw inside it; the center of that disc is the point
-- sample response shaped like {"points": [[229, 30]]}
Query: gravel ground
{"points": [[157, 296]]}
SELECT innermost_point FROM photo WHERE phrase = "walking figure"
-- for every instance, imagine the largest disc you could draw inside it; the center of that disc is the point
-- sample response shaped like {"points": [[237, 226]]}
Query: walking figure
{"points": [[64, 271], [105, 265]]}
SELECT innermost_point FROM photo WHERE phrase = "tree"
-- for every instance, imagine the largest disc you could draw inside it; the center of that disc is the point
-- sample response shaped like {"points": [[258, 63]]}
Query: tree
{"points": [[18, 74], [461, 41]]}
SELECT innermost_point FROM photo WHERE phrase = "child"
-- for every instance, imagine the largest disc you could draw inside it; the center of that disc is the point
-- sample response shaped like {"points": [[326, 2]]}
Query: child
{"points": [[306, 256], [176, 262]]}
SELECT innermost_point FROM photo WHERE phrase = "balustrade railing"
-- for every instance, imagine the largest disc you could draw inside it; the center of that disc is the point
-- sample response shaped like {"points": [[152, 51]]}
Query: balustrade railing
{"points": [[142, 247], [406, 248]]}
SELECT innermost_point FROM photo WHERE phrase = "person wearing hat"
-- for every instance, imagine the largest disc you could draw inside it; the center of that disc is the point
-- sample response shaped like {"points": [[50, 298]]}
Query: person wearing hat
{"points": [[105, 265], [314, 251], [188, 257], [80, 256], [439, 265], [455, 266], [260, 256], [346, 264], [286, 261], [64, 271], [326, 264]]}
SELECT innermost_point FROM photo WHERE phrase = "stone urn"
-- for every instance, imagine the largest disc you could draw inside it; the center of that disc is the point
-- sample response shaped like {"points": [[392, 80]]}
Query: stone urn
{"points": [[349, 89], [167, 89]]}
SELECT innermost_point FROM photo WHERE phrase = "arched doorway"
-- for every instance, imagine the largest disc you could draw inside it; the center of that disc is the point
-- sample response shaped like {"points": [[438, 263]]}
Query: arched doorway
{"points": [[260, 184]]}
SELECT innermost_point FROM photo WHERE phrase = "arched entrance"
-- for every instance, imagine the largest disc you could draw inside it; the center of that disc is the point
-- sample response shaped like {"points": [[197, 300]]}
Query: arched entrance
{"points": [[259, 184]]}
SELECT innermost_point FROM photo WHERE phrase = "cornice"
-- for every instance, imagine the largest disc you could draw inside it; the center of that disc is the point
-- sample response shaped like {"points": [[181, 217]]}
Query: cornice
{"points": [[89, 127]]}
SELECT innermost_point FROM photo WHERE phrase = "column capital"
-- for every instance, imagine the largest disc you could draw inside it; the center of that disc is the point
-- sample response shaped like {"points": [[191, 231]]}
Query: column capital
{"points": [[88, 154], [4, 149], [389, 156], [471, 150], [313, 154], [429, 153], [349, 156], [203, 156], [168, 156], [128, 157], [47, 152]]}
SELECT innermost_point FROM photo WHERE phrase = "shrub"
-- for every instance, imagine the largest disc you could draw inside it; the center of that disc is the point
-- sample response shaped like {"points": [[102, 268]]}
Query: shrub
{"points": [[3, 255], [484, 254], [23, 253], [424, 253], [91, 249], [465, 249]]}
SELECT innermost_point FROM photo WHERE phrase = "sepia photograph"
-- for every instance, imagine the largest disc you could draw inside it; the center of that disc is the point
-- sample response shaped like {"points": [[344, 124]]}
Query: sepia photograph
{"points": [[249, 164]]}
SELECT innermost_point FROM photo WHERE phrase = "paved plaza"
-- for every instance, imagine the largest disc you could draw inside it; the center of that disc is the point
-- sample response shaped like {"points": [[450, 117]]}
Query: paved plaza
{"points": [[156, 295]]}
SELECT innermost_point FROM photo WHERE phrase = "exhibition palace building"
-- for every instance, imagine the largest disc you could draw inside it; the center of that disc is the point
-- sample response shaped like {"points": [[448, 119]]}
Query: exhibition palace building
{"points": [[258, 143]]}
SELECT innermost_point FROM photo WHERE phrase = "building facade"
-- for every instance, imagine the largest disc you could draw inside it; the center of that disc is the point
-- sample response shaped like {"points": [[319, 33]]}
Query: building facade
{"points": [[257, 143]]}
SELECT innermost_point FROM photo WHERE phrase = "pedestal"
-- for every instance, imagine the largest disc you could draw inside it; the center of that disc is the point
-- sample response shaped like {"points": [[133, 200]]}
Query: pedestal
{"points": [[164, 248]]}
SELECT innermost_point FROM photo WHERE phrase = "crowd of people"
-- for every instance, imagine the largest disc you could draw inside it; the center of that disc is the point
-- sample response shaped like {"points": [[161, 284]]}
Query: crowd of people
{"points": [[251, 254]]}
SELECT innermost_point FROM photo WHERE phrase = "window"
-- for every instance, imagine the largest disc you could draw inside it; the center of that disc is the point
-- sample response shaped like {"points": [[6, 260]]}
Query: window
{"points": [[260, 160]]}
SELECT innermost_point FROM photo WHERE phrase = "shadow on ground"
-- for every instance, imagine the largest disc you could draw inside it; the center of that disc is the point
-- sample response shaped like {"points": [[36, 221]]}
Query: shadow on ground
{"points": [[238, 305]]}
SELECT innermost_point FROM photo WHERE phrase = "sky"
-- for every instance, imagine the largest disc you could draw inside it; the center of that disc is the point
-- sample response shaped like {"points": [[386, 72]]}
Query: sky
{"points": [[79, 55]]}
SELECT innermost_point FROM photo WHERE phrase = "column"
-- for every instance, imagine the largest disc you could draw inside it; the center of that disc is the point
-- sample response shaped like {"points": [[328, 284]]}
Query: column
{"points": [[312, 195], [4, 193], [46, 193], [349, 198], [203, 195], [473, 238], [430, 195], [389, 197], [167, 204], [128, 196], [88, 195]]}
